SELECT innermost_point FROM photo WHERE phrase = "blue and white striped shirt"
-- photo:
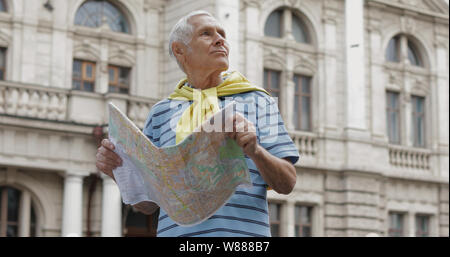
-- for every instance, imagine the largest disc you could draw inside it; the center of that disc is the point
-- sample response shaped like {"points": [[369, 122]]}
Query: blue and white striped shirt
{"points": [[246, 212]]}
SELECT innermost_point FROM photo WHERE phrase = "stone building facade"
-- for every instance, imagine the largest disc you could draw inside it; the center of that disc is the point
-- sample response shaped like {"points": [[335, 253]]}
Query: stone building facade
{"points": [[362, 87]]}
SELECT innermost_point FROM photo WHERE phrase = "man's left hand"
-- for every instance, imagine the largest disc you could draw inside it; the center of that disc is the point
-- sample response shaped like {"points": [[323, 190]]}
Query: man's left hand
{"points": [[244, 132]]}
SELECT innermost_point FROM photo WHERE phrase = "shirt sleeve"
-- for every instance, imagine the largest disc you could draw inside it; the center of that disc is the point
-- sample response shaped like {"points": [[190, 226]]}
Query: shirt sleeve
{"points": [[272, 133]]}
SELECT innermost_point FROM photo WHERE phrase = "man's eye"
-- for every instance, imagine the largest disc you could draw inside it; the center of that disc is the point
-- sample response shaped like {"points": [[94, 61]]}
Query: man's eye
{"points": [[205, 33]]}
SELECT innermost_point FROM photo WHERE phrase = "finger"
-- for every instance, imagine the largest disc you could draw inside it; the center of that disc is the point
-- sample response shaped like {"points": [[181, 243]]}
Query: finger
{"points": [[106, 143], [239, 117], [107, 160], [107, 153], [105, 168], [242, 126], [243, 139]]}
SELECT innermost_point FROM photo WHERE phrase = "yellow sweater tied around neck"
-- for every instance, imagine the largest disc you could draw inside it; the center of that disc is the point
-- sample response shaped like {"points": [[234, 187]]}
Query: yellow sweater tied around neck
{"points": [[206, 101]]}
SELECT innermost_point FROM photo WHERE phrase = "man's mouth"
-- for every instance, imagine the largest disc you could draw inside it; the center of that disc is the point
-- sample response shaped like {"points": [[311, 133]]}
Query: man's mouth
{"points": [[220, 51]]}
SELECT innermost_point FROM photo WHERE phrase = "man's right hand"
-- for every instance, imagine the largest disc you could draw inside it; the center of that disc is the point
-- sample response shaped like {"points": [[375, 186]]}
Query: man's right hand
{"points": [[107, 159]]}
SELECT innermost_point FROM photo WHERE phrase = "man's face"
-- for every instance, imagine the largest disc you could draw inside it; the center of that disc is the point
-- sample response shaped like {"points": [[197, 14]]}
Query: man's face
{"points": [[208, 47]]}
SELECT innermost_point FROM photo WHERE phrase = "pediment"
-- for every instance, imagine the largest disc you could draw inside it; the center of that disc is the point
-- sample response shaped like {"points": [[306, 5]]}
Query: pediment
{"points": [[439, 7]]}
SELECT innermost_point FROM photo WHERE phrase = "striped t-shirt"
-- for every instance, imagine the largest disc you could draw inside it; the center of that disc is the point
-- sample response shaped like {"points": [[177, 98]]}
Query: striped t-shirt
{"points": [[246, 212]]}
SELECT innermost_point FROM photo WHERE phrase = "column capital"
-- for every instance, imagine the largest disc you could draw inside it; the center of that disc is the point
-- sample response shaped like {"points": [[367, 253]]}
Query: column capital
{"points": [[75, 174], [252, 3]]}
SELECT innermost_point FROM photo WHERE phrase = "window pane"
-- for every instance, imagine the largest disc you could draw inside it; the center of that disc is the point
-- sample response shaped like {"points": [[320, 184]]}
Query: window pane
{"points": [[2, 57], [76, 84], [76, 70], [422, 225], [305, 215], [2, 75], [88, 86], [418, 120], [124, 74], [112, 77], [418, 101], [89, 14], [297, 86], [306, 88], [273, 24], [296, 113], [266, 79], [32, 222], [274, 218], [392, 51], [13, 204], [11, 231], [89, 70], [306, 113], [412, 55], [112, 89], [275, 230], [394, 128], [306, 231], [392, 117], [92, 14], [2, 6], [396, 224], [123, 90], [299, 30], [275, 79], [274, 211]]}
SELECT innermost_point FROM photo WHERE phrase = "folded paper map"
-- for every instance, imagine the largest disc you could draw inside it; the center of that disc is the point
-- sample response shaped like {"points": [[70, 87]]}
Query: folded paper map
{"points": [[189, 181]]}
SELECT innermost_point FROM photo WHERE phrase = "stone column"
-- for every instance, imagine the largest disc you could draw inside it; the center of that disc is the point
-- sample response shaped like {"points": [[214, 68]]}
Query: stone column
{"points": [[441, 99], [147, 71], [101, 70], [355, 100], [111, 208], [254, 52], [378, 78], [411, 224], [327, 77], [355, 127], [24, 214], [72, 205], [289, 216], [287, 24], [227, 12], [288, 101]]}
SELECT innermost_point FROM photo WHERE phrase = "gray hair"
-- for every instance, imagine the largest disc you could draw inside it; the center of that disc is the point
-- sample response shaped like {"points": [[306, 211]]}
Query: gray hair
{"points": [[182, 32]]}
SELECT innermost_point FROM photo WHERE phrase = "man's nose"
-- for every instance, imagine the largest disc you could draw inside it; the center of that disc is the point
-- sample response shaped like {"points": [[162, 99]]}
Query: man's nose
{"points": [[219, 40]]}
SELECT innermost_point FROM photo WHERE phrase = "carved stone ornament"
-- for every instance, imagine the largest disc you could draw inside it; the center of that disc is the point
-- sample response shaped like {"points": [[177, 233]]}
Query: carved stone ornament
{"points": [[408, 24], [253, 3], [153, 4], [410, 2]]}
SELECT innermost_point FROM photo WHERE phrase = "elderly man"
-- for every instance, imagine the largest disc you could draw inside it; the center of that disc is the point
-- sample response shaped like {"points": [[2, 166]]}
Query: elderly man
{"points": [[198, 42]]}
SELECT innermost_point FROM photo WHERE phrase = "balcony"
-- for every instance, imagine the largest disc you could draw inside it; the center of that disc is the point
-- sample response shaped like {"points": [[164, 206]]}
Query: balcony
{"points": [[68, 106], [306, 143], [409, 158]]}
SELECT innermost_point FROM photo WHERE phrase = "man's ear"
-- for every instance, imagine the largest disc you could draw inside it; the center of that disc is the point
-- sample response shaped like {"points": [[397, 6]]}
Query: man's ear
{"points": [[178, 49]]}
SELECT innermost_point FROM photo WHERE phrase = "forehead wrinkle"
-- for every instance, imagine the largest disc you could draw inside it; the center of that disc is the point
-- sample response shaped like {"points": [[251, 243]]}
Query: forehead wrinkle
{"points": [[211, 23]]}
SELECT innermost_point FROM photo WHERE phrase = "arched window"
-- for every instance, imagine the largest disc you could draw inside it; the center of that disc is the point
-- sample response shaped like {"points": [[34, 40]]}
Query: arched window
{"points": [[392, 51], [95, 13], [395, 48], [12, 217], [413, 55], [299, 30], [275, 26], [2, 6]]}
